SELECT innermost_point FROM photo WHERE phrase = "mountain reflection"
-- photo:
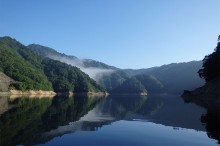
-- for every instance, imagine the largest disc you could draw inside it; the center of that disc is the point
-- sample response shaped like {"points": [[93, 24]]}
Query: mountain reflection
{"points": [[32, 121]]}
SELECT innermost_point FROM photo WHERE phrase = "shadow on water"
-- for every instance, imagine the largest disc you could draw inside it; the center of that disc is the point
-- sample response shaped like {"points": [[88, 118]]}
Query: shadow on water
{"points": [[212, 123], [31, 121], [211, 119]]}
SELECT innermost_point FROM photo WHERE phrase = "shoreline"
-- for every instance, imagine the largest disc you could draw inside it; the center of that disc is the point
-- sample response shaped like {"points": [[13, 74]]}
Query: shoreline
{"points": [[207, 96], [28, 92], [83, 93], [41, 93]]}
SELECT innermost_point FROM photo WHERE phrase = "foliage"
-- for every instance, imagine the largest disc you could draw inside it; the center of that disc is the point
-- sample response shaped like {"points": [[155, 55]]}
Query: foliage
{"points": [[211, 65], [174, 77], [36, 72], [96, 64], [113, 80], [151, 83], [13, 64], [131, 86], [66, 78], [50, 53]]}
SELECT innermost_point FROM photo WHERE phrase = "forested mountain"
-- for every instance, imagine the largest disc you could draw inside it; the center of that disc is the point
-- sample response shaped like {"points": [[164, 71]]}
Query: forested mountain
{"points": [[34, 72], [53, 54], [43, 68], [130, 86], [121, 82], [13, 62], [175, 77], [116, 81], [66, 78]]}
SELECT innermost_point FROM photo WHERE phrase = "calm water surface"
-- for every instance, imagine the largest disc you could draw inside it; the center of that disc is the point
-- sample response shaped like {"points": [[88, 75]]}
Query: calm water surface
{"points": [[154, 120]]}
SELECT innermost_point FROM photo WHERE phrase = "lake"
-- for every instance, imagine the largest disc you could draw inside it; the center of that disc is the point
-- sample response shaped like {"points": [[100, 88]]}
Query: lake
{"points": [[116, 120]]}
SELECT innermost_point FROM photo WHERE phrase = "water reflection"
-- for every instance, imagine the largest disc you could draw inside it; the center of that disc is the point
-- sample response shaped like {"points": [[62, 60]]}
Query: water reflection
{"points": [[212, 123], [22, 121], [30, 117], [31, 121]]}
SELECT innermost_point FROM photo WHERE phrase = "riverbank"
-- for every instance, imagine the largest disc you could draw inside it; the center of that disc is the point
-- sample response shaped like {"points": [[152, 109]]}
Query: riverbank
{"points": [[40, 93], [28, 93], [84, 93]]}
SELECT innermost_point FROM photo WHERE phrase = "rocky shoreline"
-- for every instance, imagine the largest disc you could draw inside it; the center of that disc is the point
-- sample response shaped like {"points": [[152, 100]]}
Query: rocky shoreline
{"points": [[207, 96], [40, 93], [28, 92]]}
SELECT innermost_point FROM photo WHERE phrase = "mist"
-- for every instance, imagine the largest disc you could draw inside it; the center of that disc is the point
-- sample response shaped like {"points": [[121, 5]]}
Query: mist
{"points": [[93, 72]]}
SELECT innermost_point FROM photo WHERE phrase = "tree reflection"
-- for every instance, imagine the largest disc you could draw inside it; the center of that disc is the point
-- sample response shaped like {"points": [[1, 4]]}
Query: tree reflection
{"points": [[32, 116], [212, 123]]}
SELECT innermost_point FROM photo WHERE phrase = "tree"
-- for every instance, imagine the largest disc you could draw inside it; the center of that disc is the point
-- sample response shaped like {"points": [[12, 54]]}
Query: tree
{"points": [[211, 64]]}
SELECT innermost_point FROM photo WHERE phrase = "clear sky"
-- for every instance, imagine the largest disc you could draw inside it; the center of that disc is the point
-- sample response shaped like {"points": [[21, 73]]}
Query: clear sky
{"points": [[122, 33]]}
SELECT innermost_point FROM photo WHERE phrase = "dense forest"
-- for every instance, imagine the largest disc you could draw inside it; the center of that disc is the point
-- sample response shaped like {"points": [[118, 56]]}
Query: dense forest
{"points": [[13, 64], [34, 72], [42, 68], [211, 64], [53, 54]]}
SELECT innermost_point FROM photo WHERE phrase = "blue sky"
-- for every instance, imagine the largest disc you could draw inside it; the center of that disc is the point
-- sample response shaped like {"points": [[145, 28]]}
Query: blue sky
{"points": [[123, 33]]}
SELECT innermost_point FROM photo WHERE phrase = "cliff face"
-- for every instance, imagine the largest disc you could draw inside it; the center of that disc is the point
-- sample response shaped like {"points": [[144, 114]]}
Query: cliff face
{"points": [[207, 96], [5, 81]]}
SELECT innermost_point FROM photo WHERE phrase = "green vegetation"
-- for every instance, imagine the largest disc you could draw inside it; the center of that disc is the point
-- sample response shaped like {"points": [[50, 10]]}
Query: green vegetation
{"points": [[34, 68], [211, 65], [66, 78], [122, 82], [35, 72], [171, 78], [151, 83], [109, 82], [130, 86], [51, 53], [13, 64], [174, 77], [96, 64]]}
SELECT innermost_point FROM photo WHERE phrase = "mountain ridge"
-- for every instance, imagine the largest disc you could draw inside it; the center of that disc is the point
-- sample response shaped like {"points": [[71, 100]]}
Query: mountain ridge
{"points": [[170, 78], [37, 73]]}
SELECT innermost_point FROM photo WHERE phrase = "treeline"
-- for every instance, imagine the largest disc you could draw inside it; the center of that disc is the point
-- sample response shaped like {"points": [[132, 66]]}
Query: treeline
{"points": [[33, 66], [211, 64], [172, 78], [66, 78], [34, 72], [120, 82]]}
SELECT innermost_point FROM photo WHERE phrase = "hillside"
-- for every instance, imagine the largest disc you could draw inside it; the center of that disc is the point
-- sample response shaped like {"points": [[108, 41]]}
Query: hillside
{"points": [[34, 72], [14, 65], [69, 59], [208, 95], [43, 68], [171, 78], [175, 77], [5, 81], [121, 82]]}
